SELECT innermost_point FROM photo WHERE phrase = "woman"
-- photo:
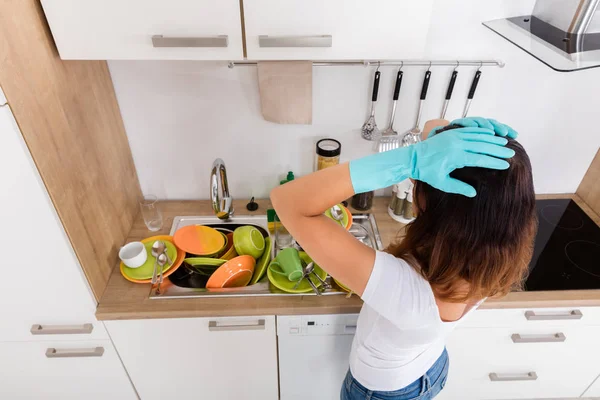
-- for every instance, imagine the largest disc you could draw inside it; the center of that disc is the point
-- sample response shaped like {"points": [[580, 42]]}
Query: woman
{"points": [[472, 239]]}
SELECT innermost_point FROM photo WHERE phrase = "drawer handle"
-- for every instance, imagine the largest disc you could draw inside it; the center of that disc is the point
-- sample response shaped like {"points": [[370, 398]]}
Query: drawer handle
{"points": [[74, 353], [38, 329], [552, 338], [204, 41], [529, 376], [213, 326], [532, 316], [295, 41]]}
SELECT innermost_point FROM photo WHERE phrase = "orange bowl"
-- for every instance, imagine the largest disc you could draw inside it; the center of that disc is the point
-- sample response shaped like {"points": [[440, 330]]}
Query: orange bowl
{"points": [[234, 273], [349, 216]]}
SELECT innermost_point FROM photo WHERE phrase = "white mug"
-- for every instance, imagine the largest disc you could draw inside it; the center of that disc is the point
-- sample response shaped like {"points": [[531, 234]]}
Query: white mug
{"points": [[133, 254]]}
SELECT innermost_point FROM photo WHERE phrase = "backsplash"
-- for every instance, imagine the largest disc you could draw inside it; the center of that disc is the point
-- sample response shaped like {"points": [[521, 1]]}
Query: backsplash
{"points": [[180, 116]]}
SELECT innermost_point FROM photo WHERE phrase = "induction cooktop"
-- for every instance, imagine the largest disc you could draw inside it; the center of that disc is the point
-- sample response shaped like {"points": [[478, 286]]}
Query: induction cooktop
{"points": [[566, 255]]}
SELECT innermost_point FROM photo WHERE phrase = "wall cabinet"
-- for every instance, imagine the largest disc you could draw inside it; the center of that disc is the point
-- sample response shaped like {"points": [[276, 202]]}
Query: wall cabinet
{"points": [[146, 30], [336, 29], [544, 358], [212, 358]]}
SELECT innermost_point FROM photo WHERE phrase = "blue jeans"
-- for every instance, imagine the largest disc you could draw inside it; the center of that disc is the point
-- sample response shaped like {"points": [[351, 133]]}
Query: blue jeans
{"points": [[425, 388]]}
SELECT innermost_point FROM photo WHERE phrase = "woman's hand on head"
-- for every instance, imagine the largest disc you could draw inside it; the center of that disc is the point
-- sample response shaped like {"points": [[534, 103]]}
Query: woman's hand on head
{"points": [[498, 128]]}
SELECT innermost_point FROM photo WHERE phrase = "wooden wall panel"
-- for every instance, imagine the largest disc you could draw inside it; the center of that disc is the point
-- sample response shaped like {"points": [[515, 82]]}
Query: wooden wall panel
{"points": [[589, 189], [69, 117]]}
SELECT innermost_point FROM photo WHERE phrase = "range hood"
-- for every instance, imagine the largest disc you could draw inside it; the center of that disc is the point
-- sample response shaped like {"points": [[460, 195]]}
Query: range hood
{"points": [[563, 34]]}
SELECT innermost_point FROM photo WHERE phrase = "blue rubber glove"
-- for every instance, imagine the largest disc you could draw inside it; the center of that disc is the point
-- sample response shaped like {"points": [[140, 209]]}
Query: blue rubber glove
{"points": [[499, 128], [432, 161]]}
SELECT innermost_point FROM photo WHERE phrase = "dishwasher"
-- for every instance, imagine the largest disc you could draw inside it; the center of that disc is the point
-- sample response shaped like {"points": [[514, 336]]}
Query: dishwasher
{"points": [[313, 355]]}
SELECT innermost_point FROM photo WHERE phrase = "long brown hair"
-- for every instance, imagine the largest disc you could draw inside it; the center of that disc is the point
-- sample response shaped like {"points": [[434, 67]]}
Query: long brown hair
{"points": [[485, 241]]}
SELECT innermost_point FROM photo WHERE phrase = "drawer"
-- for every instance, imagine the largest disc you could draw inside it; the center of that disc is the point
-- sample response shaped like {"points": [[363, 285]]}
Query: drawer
{"points": [[62, 370], [488, 364], [120, 30], [537, 317]]}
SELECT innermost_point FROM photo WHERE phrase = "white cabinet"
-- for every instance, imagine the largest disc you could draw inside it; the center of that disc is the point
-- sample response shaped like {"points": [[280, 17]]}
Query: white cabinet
{"points": [[45, 284], [593, 390], [209, 358], [336, 29], [553, 354], [117, 30], [82, 370]]}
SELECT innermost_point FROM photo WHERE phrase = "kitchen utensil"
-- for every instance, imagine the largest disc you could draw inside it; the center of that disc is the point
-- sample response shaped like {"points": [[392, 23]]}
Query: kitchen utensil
{"points": [[369, 129], [389, 138], [164, 247], [472, 89], [133, 254], [345, 215], [414, 135], [248, 240], [310, 269], [337, 214], [282, 283], [133, 275], [449, 93], [162, 260], [157, 249], [236, 272], [151, 212], [199, 240], [263, 262], [288, 264]]}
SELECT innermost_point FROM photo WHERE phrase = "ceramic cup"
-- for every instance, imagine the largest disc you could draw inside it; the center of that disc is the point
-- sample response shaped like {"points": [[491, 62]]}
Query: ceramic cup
{"points": [[133, 254], [248, 240], [288, 264]]}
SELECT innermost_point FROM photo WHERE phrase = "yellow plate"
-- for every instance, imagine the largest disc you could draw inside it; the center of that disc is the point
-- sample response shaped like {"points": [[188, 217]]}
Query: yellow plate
{"points": [[282, 283], [177, 261]]}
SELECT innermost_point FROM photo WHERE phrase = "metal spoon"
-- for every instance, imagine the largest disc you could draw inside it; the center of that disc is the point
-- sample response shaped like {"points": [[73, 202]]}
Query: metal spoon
{"points": [[310, 269], [162, 260], [164, 251], [337, 214], [156, 251]]}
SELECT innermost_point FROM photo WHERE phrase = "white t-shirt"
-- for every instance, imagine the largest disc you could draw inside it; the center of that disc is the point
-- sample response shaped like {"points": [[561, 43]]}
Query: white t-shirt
{"points": [[399, 334]]}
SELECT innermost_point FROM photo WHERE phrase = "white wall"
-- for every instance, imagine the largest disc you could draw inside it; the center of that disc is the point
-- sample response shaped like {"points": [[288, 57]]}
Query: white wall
{"points": [[179, 116]]}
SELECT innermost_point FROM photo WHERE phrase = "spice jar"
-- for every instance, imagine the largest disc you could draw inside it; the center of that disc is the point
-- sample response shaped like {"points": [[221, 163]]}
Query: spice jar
{"points": [[328, 153], [363, 201]]}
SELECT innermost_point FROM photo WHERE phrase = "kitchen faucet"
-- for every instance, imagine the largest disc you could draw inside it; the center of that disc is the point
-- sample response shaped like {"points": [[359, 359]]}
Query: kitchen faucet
{"points": [[221, 199]]}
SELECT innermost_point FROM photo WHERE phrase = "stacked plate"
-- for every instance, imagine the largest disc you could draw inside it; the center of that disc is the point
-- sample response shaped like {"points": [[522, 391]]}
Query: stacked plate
{"points": [[144, 273]]}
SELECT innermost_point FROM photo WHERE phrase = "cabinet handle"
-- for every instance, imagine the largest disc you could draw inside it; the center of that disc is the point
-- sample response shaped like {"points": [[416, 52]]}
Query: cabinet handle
{"points": [[203, 41], [532, 316], [73, 353], [38, 329], [529, 376], [215, 327], [552, 338], [295, 41]]}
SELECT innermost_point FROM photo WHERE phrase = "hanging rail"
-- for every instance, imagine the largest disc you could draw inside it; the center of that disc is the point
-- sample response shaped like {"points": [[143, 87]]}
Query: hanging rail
{"points": [[393, 63]]}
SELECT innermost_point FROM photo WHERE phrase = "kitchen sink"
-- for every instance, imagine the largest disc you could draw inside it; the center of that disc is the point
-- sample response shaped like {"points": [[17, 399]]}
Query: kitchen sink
{"points": [[183, 284]]}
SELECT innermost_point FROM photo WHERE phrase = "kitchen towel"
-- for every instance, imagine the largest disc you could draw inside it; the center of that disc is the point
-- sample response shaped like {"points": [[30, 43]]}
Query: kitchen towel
{"points": [[286, 91]]}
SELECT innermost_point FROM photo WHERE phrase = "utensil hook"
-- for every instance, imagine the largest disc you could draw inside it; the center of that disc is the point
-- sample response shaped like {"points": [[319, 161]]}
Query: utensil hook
{"points": [[378, 65], [401, 65], [480, 65], [457, 65], [429, 68]]}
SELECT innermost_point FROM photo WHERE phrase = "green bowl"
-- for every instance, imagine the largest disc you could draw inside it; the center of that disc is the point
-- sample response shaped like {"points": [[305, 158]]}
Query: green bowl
{"points": [[248, 240]]}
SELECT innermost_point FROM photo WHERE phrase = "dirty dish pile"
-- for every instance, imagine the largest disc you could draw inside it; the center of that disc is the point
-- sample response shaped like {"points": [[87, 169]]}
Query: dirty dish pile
{"points": [[143, 273], [282, 282]]}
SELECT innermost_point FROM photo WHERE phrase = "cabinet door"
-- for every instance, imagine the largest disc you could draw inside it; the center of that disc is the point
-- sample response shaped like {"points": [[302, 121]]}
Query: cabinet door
{"points": [[130, 30], [44, 283], [548, 362], [336, 29], [82, 370], [209, 358]]}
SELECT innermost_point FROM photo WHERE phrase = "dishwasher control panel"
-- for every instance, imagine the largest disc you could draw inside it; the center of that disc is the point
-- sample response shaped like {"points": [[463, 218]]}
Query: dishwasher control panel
{"points": [[309, 325]]}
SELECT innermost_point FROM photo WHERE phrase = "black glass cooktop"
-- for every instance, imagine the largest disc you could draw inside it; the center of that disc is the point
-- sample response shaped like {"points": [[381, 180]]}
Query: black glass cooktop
{"points": [[567, 248]]}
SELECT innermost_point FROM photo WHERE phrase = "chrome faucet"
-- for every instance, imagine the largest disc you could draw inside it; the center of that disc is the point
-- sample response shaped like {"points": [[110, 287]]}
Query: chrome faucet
{"points": [[221, 199]]}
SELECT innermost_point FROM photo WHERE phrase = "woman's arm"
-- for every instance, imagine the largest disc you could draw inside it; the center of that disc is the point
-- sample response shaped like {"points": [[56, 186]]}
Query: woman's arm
{"points": [[300, 205]]}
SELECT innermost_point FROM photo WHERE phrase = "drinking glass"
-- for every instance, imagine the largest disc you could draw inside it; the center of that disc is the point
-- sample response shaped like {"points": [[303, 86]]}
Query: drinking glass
{"points": [[151, 212], [283, 238]]}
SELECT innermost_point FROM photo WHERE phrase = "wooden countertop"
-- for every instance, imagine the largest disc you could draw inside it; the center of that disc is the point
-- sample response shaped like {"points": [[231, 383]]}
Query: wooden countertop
{"points": [[125, 300]]}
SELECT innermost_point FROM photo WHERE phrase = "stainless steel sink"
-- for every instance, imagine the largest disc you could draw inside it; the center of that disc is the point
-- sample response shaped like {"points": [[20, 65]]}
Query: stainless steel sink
{"points": [[364, 228]]}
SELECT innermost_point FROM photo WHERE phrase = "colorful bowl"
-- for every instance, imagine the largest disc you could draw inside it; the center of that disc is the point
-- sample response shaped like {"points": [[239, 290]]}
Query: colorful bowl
{"points": [[248, 240], [263, 262], [199, 240], [236, 272], [125, 271]]}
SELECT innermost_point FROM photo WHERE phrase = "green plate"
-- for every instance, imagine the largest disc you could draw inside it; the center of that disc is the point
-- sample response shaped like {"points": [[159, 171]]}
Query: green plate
{"points": [[198, 261], [263, 261], [282, 283], [146, 270], [345, 217]]}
